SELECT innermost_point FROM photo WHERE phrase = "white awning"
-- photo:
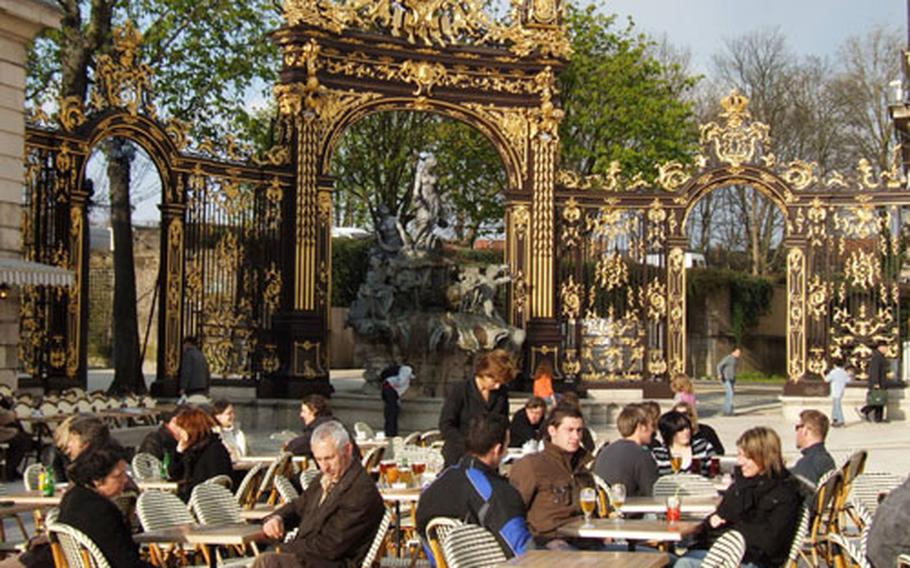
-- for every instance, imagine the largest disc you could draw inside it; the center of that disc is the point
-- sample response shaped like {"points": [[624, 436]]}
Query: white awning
{"points": [[18, 272]]}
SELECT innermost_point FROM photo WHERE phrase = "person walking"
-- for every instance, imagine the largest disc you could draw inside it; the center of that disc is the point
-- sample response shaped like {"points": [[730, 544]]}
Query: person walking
{"points": [[837, 377], [726, 371], [194, 371], [395, 383], [877, 395]]}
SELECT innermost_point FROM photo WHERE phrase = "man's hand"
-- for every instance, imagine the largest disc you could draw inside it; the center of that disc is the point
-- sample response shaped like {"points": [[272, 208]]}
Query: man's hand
{"points": [[273, 527]]}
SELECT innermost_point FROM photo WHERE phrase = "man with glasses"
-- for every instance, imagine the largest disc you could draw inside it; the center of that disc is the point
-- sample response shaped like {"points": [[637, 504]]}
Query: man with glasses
{"points": [[815, 461]]}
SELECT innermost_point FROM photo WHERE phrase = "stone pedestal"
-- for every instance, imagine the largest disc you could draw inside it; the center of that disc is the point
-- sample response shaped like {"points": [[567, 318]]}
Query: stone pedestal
{"points": [[20, 21], [897, 410]]}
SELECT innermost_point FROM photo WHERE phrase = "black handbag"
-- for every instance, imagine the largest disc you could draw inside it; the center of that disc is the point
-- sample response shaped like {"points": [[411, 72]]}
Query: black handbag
{"points": [[877, 397]]}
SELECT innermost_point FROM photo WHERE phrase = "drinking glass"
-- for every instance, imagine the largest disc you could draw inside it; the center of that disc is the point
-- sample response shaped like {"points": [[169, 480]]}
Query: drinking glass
{"points": [[676, 463], [674, 508], [384, 466], [405, 475], [418, 468], [714, 469], [588, 499], [617, 497], [696, 466], [392, 473]]}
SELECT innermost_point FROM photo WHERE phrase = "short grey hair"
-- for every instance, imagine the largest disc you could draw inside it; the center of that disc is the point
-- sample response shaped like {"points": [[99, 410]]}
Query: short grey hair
{"points": [[334, 430]]}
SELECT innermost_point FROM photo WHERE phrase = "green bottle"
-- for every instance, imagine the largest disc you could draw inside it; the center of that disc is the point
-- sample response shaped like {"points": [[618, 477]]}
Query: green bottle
{"points": [[50, 486], [165, 465]]}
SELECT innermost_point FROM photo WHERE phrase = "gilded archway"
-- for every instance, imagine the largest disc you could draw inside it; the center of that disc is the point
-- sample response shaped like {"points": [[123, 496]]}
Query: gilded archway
{"points": [[622, 290]]}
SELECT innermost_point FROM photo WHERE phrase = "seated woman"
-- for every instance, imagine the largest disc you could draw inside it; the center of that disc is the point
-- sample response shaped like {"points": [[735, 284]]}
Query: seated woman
{"points": [[679, 447], [763, 504], [700, 429], [98, 476], [226, 426], [72, 438], [200, 453]]}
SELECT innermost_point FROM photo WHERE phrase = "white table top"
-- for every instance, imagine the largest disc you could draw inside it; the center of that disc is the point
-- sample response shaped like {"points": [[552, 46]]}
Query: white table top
{"points": [[630, 529]]}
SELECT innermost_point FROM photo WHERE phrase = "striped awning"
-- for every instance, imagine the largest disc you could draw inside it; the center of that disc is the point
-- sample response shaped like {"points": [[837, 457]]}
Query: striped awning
{"points": [[18, 272]]}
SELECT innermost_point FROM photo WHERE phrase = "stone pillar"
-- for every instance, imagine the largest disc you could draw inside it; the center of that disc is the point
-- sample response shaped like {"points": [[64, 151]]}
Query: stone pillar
{"points": [[20, 21]]}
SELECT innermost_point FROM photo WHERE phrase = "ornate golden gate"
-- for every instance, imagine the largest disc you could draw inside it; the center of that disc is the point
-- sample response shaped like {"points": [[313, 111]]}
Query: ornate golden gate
{"points": [[344, 60], [622, 274], [221, 240]]}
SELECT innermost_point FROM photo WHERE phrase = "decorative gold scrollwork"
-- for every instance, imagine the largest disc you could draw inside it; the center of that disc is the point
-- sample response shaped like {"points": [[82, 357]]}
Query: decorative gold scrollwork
{"points": [[672, 175], [570, 298], [612, 271], [799, 174], [863, 269], [424, 74], [796, 312], [123, 81], [70, 114], [656, 294], [735, 142], [818, 297]]}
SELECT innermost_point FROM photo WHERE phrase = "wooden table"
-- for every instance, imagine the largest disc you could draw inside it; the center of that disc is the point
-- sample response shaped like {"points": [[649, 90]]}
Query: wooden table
{"points": [[408, 495], [689, 505], [33, 498], [218, 535], [258, 513], [630, 529], [548, 558]]}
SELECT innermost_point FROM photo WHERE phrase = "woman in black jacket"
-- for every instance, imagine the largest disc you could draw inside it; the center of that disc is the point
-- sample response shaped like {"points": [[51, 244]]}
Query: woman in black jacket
{"points": [[98, 476], [763, 504], [474, 396], [200, 453]]}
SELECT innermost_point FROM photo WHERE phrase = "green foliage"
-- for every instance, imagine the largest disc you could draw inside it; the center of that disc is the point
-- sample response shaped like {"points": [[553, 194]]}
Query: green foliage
{"points": [[350, 262], [620, 104], [750, 296], [466, 256], [759, 377]]}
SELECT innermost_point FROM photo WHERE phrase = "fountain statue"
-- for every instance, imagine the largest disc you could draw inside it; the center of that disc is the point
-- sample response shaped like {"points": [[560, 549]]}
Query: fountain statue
{"points": [[417, 307]]}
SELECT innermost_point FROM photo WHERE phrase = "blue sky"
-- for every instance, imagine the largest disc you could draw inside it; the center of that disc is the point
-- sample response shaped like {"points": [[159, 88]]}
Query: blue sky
{"points": [[812, 27]]}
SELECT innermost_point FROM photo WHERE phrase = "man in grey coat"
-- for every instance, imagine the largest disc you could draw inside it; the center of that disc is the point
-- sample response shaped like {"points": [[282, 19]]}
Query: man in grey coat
{"points": [[194, 371], [889, 536], [726, 372]]}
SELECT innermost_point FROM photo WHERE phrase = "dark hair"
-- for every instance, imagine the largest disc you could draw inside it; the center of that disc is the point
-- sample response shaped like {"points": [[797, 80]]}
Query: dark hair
{"points": [[92, 431], [191, 339], [562, 411], [570, 398], [484, 432], [671, 423], [220, 406], [837, 361], [535, 402], [95, 464], [497, 364], [318, 404]]}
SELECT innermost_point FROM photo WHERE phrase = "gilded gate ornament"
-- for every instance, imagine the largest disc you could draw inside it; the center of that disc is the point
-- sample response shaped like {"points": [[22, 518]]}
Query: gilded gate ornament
{"points": [[736, 141], [863, 269], [796, 312]]}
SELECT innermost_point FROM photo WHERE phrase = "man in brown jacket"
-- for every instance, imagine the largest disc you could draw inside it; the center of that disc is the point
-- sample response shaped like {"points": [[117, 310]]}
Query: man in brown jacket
{"points": [[337, 515], [550, 481]]}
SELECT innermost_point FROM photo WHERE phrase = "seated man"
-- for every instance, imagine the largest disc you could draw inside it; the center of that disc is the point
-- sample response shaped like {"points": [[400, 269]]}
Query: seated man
{"points": [[889, 536], [161, 441], [810, 439], [628, 460], [527, 422], [337, 515], [549, 481], [474, 492]]}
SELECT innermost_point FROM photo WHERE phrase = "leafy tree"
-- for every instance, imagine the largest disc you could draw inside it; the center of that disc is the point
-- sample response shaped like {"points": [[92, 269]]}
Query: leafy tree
{"points": [[620, 103], [206, 55]]}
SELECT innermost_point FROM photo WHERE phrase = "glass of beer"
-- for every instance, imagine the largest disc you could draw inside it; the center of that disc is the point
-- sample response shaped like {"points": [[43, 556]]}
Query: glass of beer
{"points": [[384, 466], [392, 473], [405, 475], [617, 497], [714, 468], [418, 468], [696, 466], [588, 499], [676, 463]]}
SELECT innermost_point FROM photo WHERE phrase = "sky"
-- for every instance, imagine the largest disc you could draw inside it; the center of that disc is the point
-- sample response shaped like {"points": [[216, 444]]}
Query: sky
{"points": [[812, 27]]}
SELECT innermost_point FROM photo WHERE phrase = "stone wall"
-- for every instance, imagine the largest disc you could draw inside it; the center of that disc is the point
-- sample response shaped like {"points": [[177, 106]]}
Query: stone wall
{"points": [[20, 21]]}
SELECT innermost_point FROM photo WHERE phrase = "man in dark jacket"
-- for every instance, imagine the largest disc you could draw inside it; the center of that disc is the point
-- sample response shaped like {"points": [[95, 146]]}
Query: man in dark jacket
{"points": [[877, 381], [889, 536], [550, 481], [194, 371], [810, 439], [338, 514], [161, 441], [474, 492], [527, 423]]}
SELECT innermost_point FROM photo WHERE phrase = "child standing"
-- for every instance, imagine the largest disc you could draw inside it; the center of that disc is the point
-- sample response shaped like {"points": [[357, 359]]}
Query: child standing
{"points": [[838, 377], [683, 389]]}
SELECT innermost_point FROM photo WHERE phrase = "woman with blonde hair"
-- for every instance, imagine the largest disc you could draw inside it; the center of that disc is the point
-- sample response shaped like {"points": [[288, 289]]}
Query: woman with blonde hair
{"points": [[474, 396], [762, 504], [682, 388]]}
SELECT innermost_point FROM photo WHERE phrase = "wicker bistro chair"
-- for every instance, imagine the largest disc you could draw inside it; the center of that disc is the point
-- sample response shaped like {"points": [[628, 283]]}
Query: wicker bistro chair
{"points": [[212, 504], [802, 530], [429, 437], [603, 495], [363, 430], [222, 480], [471, 546], [823, 515], [286, 490], [437, 531], [866, 489], [686, 484], [158, 510], [77, 548], [146, 466], [307, 476], [726, 552], [903, 561], [248, 490], [371, 459], [281, 466], [855, 552], [412, 439], [378, 539], [31, 475]]}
